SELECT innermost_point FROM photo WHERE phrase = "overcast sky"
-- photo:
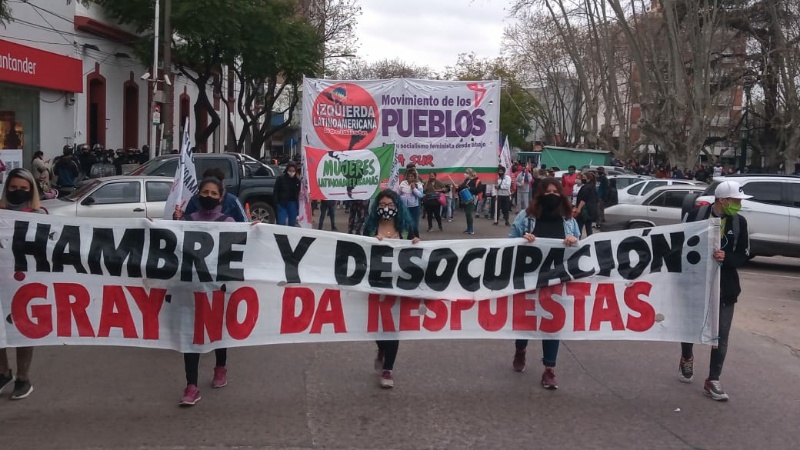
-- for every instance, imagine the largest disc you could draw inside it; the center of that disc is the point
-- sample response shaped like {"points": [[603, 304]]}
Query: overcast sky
{"points": [[430, 32]]}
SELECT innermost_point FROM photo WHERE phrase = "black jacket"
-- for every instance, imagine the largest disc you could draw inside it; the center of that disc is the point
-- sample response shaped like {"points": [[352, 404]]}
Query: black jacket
{"points": [[287, 189], [588, 194], [736, 245]]}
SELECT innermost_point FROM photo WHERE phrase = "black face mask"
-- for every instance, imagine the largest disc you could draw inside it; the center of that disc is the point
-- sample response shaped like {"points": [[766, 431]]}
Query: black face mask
{"points": [[208, 203], [550, 202], [18, 197]]}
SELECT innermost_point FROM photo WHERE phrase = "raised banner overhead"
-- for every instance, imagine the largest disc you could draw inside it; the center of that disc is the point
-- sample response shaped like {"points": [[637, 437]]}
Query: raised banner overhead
{"points": [[194, 286], [441, 126]]}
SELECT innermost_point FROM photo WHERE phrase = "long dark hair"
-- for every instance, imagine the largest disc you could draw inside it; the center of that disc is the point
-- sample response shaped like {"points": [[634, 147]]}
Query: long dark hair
{"points": [[535, 210], [402, 221]]}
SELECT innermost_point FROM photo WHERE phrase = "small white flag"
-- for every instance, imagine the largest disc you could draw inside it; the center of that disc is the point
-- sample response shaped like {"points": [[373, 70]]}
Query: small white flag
{"points": [[505, 156], [184, 185]]}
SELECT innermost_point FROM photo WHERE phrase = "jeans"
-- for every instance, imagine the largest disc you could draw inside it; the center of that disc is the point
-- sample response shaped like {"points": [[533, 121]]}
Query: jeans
{"points": [[327, 207], [549, 350], [469, 211], [523, 200], [288, 213], [434, 211], [191, 362], [450, 208], [389, 349], [414, 212], [601, 212], [717, 353], [504, 204]]}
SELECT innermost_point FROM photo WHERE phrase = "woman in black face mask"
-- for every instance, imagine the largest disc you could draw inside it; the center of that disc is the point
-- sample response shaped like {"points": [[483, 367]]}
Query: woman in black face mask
{"points": [[19, 194], [209, 197], [548, 216], [388, 218]]}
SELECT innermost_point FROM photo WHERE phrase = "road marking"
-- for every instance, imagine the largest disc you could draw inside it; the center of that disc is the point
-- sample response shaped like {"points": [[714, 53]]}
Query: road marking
{"points": [[769, 274]]}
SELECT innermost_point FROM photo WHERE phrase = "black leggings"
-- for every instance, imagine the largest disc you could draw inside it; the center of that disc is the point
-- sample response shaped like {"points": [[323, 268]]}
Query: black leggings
{"points": [[389, 349], [191, 362], [433, 211]]}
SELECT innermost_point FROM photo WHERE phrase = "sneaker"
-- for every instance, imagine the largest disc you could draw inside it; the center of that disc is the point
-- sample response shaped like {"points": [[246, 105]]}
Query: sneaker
{"points": [[22, 389], [220, 377], [508, 224], [686, 370], [191, 395], [387, 381], [549, 379], [440, 229], [470, 232], [450, 219], [519, 361], [379, 361], [713, 389], [7, 378], [430, 229]]}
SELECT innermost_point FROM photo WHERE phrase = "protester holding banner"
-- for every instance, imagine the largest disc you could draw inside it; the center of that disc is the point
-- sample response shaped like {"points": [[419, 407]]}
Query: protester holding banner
{"points": [[410, 191], [548, 216], [20, 193], [287, 195], [209, 198], [388, 218], [468, 195], [433, 192], [734, 252], [231, 206]]}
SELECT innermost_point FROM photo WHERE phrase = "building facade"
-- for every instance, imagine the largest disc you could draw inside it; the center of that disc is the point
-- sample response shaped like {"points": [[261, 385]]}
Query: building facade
{"points": [[69, 76]]}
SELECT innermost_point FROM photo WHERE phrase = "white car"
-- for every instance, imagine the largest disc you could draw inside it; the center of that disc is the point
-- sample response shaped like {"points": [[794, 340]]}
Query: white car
{"points": [[662, 206], [115, 197], [773, 213], [624, 181], [636, 191]]}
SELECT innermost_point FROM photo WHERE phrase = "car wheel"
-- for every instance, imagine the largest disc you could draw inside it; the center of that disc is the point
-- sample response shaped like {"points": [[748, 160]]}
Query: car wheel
{"points": [[637, 225], [262, 211]]}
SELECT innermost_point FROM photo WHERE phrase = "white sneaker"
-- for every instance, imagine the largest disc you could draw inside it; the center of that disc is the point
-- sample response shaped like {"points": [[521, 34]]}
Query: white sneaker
{"points": [[387, 381]]}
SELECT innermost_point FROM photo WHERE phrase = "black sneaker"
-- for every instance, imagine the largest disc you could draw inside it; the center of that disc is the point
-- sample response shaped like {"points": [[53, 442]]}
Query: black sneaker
{"points": [[22, 389], [713, 389], [5, 380], [686, 370]]}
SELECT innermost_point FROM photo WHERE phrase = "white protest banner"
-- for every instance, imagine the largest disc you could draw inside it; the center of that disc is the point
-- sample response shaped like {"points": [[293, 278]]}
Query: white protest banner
{"points": [[194, 286], [441, 126], [184, 184]]}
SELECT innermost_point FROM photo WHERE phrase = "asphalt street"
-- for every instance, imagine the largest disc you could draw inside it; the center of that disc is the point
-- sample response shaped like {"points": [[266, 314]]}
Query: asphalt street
{"points": [[447, 395]]}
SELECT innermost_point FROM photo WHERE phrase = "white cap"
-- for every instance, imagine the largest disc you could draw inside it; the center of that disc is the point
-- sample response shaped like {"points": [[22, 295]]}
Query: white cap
{"points": [[730, 189]]}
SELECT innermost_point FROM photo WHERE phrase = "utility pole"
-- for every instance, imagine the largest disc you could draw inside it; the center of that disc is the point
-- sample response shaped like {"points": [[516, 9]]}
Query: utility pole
{"points": [[154, 79], [168, 109]]}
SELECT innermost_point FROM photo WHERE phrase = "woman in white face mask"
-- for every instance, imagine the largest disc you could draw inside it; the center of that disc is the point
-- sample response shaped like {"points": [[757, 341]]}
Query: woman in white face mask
{"points": [[388, 219]]}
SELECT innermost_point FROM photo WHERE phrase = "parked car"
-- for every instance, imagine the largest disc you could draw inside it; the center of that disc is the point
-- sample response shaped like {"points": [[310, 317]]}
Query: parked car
{"points": [[662, 206], [610, 170], [114, 197], [626, 180], [773, 213], [633, 194], [245, 177]]}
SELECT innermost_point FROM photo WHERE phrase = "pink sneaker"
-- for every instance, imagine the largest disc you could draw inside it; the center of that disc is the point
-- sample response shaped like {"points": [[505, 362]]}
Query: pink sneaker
{"points": [[549, 379], [220, 377], [191, 395], [387, 380]]}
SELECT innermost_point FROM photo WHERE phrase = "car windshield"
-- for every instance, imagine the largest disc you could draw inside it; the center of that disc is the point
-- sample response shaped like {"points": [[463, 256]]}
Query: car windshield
{"points": [[711, 187], [81, 191], [146, 166]]}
